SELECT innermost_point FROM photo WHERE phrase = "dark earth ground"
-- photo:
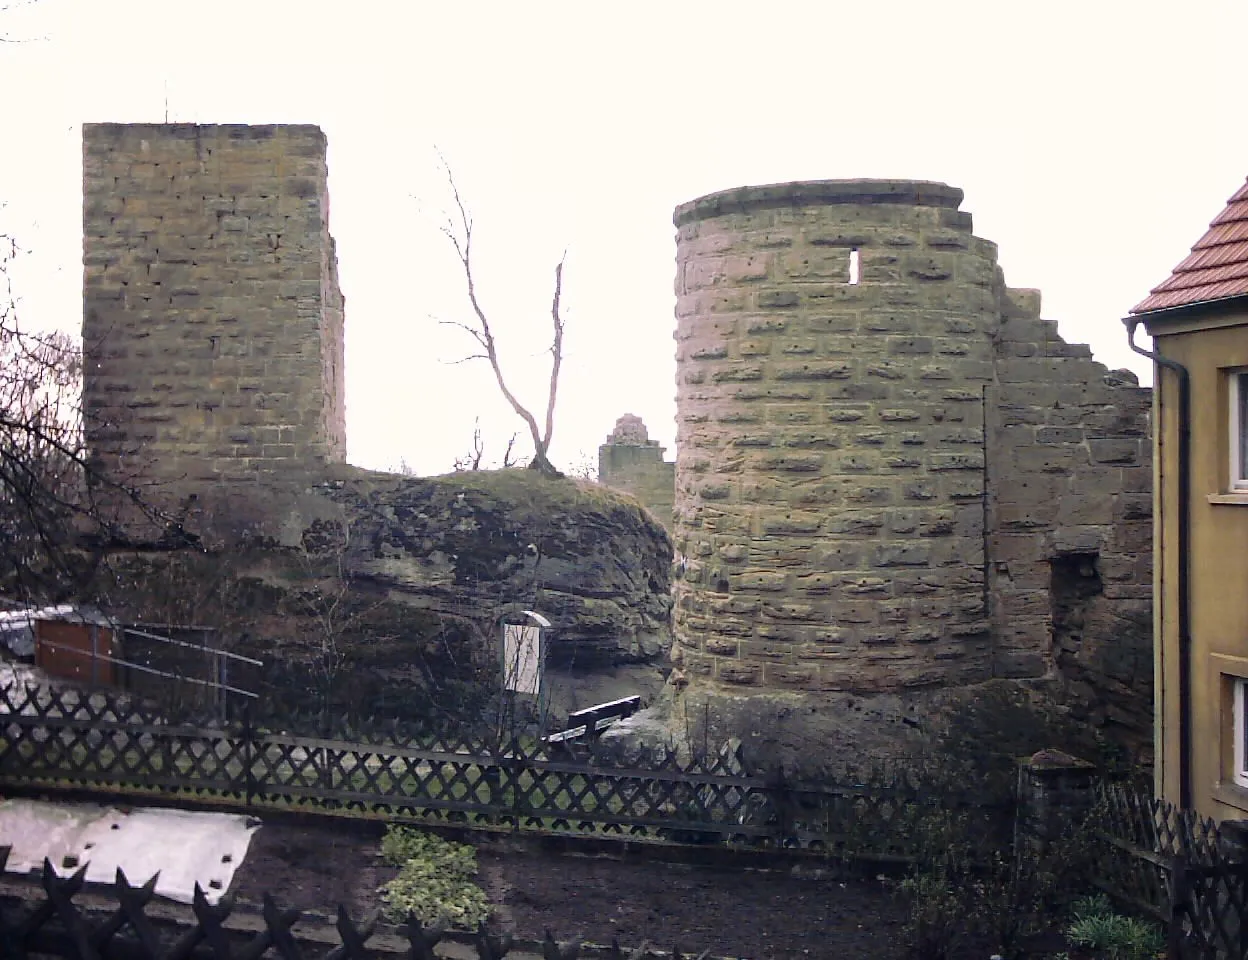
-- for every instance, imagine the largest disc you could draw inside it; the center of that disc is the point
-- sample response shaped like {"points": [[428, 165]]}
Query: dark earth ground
{"points": [[753, 914]]}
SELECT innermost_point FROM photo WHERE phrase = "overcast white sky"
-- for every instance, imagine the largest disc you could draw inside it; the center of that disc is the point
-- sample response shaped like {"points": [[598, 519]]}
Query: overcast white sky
{"points": [[1095, 140]]}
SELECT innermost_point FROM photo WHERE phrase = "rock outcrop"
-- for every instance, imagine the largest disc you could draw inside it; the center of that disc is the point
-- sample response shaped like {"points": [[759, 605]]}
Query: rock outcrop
{"points": [[386, 593]]}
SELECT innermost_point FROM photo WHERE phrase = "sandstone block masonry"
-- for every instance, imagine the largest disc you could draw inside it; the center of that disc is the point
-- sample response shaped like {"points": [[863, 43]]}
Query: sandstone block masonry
{"points": [[213, 321], [891, 473], [632, 462]]}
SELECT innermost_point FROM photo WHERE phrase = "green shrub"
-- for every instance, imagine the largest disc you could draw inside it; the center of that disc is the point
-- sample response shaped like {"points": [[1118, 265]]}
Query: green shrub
{"points": [[963, 893], [434, 882], [1097, 905], [936, 912], [1097, 927]]}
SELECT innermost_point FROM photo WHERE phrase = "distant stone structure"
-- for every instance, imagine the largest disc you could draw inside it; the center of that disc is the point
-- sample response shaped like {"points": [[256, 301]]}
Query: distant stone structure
{"points": [[891, 473], [632, 462], [213, 322]]}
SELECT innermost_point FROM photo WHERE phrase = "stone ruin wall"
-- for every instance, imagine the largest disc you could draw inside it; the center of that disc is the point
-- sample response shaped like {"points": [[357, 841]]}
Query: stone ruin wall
{"points": [[892, 474], [213, 321], [1070, 509], [632, 462]]}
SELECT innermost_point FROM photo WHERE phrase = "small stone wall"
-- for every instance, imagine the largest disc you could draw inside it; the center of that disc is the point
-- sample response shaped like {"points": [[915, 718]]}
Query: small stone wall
{"points": [[1056, 792]]}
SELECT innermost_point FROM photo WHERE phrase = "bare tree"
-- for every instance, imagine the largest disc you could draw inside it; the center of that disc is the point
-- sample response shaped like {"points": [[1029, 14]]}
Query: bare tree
{"points": [[41, 444], [459, 231], [472, 460], [58, 513], [584, 468]]}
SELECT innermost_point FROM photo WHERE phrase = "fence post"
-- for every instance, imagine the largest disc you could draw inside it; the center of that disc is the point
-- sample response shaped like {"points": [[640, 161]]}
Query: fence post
{"points": [[781, 803], [1233, 840], [512, 770], [1055, 793], [247, 757], [1180, 894]]}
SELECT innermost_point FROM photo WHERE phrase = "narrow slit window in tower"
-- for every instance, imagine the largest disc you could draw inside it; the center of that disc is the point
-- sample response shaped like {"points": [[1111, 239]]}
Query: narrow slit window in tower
{"points": [[853, 265]]}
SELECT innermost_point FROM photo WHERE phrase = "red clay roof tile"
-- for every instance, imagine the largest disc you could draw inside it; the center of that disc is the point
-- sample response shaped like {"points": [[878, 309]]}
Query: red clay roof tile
{"points": [[1217, 267]]}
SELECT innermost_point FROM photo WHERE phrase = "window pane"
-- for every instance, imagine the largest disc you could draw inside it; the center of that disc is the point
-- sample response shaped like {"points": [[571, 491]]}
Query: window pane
{"points": [[1240, 732], [1241, 735], [1241, 425]]}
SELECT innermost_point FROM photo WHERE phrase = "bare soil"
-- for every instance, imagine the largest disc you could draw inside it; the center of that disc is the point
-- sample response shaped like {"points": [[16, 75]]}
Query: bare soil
{"points": [[732, 913]]}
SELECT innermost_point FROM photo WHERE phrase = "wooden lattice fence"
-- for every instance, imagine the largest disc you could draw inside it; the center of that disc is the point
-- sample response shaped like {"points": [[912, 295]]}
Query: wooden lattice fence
{"points": [[64, 739], [1177, 867]]}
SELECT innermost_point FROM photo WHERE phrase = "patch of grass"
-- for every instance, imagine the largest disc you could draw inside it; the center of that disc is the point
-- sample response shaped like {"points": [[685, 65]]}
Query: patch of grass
{"points": [[1097, 927], [435, 880]]}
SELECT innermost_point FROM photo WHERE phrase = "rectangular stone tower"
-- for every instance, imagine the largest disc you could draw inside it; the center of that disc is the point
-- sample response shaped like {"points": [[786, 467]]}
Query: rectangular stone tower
{"points": [[212, 318]]}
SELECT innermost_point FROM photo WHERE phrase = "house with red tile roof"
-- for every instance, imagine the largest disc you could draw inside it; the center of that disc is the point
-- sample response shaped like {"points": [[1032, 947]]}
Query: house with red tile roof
{"points": [[1198, 319]]}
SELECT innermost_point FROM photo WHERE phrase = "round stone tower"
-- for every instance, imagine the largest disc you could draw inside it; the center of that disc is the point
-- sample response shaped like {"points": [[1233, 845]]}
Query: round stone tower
{"points": [[834, 345]]}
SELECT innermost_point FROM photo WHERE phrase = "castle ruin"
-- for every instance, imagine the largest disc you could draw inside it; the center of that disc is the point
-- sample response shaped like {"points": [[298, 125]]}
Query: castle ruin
{"points": [[893, 475]]}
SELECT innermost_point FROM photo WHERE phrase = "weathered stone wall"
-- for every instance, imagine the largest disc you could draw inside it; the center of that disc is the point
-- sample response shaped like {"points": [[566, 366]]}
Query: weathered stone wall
{"points": [[213, 322], [888, 465], [830, 466], [632, 462], [1070, 518]]}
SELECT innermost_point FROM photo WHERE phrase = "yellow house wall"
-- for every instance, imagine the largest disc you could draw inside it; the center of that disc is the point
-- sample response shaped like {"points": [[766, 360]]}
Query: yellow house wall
{"points": [[1219, 561]]}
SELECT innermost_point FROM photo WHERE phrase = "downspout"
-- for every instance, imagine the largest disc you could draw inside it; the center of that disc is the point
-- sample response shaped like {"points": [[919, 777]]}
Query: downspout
{"points": [[1184, 559]]}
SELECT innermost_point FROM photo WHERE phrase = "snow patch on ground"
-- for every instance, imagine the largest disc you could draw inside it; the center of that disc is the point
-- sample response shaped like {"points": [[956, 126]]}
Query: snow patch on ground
{"points": [[185, 848]]}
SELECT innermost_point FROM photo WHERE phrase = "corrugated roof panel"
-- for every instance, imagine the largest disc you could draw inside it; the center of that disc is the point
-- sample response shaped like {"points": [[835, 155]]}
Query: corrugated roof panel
{"points": [[1217, 267]]}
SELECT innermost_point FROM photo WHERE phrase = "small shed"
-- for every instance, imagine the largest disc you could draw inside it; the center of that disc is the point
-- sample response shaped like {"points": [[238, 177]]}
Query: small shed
{"points": [[17, 628], [77, 644]]}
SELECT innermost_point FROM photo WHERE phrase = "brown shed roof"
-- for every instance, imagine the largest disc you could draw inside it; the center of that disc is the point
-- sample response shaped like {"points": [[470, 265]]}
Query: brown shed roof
{"points": [[1217, 267]]}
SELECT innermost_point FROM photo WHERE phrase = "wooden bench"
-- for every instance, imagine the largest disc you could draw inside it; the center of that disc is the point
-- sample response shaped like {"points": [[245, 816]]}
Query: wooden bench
{"points": [[588, 723]]}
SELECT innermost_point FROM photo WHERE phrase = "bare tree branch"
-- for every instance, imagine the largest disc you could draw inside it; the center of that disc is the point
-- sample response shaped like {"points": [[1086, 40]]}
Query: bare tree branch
{"points": [[508, 462], [473, 460], [59, 513], [472, 331], [556, 351], [460, 235]]}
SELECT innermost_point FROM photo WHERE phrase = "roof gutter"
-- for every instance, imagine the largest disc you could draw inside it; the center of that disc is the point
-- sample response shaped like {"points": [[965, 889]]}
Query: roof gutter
{"points": [[1184, 557], [1178, 309]]}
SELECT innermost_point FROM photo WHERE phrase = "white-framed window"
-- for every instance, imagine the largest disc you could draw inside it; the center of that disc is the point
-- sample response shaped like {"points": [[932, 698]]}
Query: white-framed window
{"points": [[1238, 390], [1240, 733]]}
